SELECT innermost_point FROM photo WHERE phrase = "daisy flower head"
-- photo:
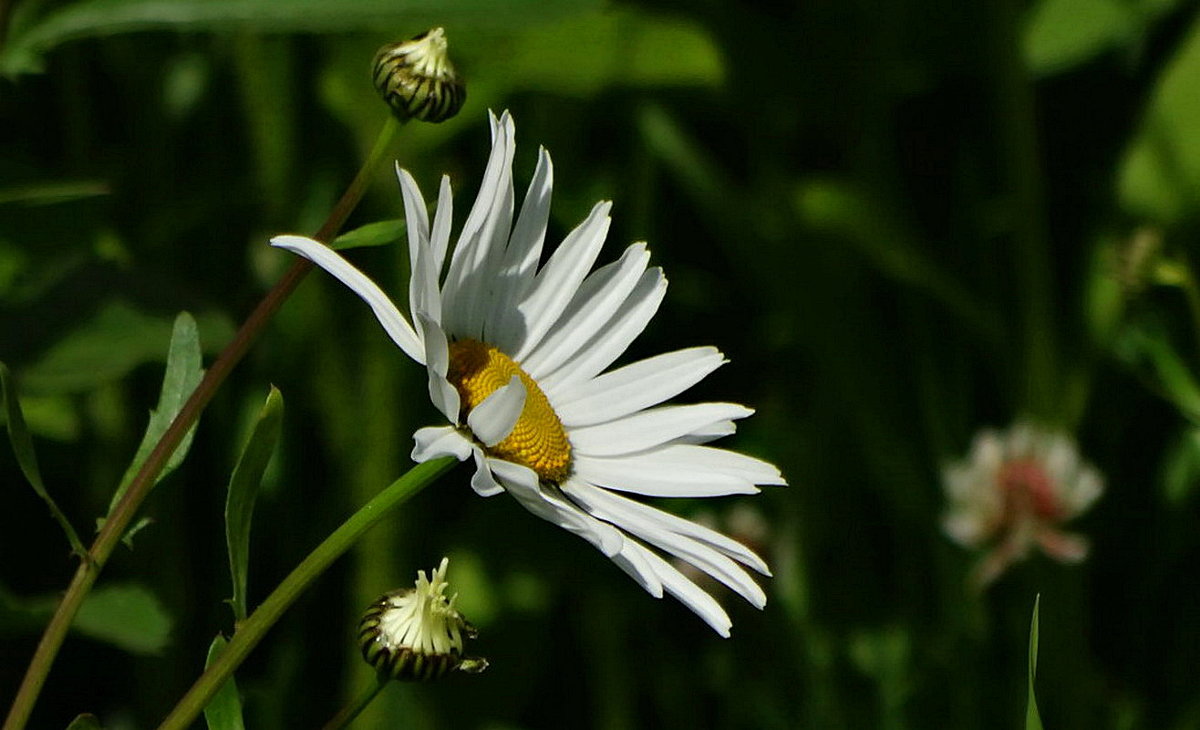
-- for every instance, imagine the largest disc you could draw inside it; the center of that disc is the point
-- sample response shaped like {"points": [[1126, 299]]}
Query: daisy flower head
{"points": [[518, 359], [1014, 492]]}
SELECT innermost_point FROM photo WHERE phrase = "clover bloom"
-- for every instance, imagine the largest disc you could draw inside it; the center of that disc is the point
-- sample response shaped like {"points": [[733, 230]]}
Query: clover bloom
{"points": [[1015, 491], [518, 359]]}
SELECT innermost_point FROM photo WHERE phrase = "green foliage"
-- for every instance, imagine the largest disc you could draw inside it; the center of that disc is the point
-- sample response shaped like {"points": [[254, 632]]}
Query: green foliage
{"points": [[1033, 721], [224, 712], [243, 489], [183, 374], [85, 721], [22, 445], [372, 234], [125, 615]]}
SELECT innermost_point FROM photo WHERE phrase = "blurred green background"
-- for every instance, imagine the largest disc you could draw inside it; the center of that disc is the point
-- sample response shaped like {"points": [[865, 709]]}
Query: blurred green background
{"points": [[902, 222]]}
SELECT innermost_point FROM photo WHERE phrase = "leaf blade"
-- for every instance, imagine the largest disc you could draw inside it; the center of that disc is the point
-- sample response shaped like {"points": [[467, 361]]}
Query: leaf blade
{"points": [[1033, 720], [224, 710]]}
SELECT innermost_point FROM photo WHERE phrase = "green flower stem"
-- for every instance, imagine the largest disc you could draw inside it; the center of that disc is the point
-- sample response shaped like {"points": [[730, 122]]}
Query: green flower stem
{"points": [[122, 514], [347, 714], [247, 636]]}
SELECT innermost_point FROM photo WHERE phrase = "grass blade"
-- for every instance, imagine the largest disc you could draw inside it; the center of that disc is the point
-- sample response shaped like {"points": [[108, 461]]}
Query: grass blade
{"points": [[1033, 721]]}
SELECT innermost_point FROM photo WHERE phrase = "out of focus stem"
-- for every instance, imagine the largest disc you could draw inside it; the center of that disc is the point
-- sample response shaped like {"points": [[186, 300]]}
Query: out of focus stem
{"points": [[122, 514]]}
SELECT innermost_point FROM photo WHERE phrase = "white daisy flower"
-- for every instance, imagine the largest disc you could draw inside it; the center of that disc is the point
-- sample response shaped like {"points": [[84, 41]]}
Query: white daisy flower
{"points": [[517, 357], [1015, 491]]}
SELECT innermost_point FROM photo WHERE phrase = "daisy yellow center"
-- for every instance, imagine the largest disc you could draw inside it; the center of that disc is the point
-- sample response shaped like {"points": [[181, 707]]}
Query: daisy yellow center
{"points": [[538, 440]]}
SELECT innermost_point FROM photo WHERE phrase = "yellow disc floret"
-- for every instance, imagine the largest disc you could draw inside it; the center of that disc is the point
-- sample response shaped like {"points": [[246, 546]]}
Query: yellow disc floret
{"points": [[538, 440]]}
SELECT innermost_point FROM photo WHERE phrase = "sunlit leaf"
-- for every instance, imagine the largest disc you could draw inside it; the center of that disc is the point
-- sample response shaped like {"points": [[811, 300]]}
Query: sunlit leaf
{"points": [[1033, 720], [243, 488], [34, 37], [183, 374], [86, 721], [224, 710], [1063, 33], [372, 234], [125, 615], [22, 445], [1159, 177]]}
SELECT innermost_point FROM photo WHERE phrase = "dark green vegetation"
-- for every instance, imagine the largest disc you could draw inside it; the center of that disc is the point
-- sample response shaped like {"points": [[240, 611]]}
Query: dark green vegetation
{"points": [[900, 221]]}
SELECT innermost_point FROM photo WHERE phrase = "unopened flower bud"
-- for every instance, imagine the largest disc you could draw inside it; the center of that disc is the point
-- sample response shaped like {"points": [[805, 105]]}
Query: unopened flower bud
{"points": [[417, 80], [416, 634]]}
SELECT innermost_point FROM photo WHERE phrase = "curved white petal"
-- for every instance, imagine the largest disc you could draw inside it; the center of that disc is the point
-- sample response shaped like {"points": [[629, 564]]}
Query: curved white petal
{"points": [[632, 560], [614, 337], [559, 279], [651, 428], [437, 353], [483, 481], [689, 594], [653, 479], [434, 441], [632, 387], [439, 238], [492, 420], [416, 222], [523, 485], [385, 311], [598, 298], [507, 326], [707, 559]]}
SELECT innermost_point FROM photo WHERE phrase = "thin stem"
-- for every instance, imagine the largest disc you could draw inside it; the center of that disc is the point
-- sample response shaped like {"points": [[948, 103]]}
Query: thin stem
{"points": [[122, 514], [347, 714], [264, 617]]}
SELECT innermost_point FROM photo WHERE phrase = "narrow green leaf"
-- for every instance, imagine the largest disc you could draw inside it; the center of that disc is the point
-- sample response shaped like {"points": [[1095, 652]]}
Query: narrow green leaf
{"points": [[224, 711], [86, 721], [183, 374], [372, 234], [126, 615], [243, 488], [1033, 721], [1171, 372], [22, 444]]}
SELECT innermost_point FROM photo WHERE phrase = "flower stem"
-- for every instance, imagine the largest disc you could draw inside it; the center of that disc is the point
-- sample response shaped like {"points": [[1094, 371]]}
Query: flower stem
{"points": [[247, 636], [122, 514], [347, 714]]}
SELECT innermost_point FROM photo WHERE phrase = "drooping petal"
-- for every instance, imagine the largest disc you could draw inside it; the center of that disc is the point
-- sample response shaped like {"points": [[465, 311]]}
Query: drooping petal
{"points": [[614, 337], [690, 550], [492, 420], [631, 388], [506, 325], [483, 481], [523, 485], [385, 311], [689, 594], [437, 353], [651, 428], [434, 441], [559, 279], [597, 300]]}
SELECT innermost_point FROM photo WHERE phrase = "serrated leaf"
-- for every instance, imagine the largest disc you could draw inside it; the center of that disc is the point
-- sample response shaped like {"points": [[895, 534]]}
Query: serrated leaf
{"points": [[372, 234], [86, 721], [1033, 720], [33, 38], [22, 444], [126, 615], [224, 710], [243, 488], [183, 374]]}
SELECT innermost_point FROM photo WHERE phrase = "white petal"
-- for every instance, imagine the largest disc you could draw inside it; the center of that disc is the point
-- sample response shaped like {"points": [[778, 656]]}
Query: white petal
{"points": [[692, 551], [523, 485], [559, 279], [507, 326], [437, 353], [632, 560], [385, 311], [679, 470], [439, 240], [690, 595], [597, 300], [492, 420], [614, 336], [467, 288], [623, 510], [416, 221], [653, 427], [483, 481], [631, 388], [434, 441]]}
